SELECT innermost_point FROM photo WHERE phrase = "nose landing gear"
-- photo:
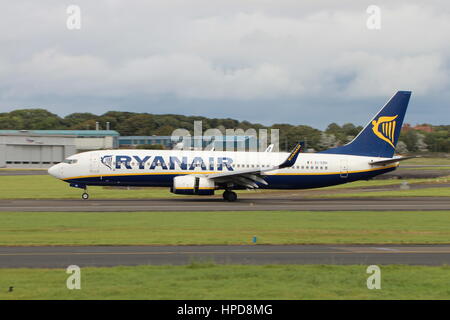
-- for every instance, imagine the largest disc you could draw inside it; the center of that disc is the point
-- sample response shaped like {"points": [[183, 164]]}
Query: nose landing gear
{"points": [[229, 195], [85, 195]]}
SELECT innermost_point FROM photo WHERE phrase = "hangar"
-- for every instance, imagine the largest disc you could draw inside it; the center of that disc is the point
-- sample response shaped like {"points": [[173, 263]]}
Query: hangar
{"points": [[43, 148]]}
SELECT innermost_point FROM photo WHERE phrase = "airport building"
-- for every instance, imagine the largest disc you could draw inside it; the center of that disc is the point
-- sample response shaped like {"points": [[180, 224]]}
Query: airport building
{"points": [[43, 148], [134, 141]]}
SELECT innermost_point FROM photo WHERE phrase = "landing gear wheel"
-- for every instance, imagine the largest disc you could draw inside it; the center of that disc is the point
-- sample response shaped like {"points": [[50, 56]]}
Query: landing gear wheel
{"points": [[225, 195], [230, 196], [85, 196]]}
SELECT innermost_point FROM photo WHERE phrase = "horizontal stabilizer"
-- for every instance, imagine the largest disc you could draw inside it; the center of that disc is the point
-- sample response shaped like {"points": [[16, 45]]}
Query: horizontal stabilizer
{"points": [[388, 161]]}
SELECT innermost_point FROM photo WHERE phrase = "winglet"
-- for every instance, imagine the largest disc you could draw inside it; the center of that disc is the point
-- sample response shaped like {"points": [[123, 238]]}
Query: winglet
{"points": [[289, 162]]}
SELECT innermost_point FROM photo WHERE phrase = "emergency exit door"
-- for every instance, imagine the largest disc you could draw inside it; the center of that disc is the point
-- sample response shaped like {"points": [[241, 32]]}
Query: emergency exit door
{"points": [[344, 168]]}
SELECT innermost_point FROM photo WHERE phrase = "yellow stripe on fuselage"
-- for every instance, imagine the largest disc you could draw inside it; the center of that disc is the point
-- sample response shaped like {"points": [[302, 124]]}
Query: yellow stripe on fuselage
{"points": [[205, 188]]}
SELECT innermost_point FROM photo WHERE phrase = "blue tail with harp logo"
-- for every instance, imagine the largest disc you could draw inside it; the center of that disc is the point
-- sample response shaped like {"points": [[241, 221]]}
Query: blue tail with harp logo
{"points": [[380, 136]]}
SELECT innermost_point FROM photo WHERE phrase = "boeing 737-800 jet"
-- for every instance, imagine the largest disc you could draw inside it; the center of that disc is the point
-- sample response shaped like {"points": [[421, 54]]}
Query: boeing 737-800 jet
{"points": [[369, 154]]}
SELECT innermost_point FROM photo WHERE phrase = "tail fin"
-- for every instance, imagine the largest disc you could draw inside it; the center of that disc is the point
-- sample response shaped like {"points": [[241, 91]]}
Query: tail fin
{"points": [[380, 136]]}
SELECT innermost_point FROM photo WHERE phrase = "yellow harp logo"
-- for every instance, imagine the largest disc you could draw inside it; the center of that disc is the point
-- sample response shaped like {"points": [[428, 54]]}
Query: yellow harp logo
{"points": [[384, 128]]}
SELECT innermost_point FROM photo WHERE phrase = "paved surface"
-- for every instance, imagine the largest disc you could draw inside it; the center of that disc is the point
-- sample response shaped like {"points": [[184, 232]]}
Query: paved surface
{"points": [[37, 172], [217, 204], [62, 257]]}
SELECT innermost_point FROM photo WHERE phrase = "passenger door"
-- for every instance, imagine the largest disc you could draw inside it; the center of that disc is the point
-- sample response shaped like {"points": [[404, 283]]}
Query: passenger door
{"points": [[94, 164]]}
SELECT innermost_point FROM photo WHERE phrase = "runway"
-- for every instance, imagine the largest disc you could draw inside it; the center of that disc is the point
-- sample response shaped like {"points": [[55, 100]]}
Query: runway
{"points": [[23, 172], [107, 256], [247, 203]]}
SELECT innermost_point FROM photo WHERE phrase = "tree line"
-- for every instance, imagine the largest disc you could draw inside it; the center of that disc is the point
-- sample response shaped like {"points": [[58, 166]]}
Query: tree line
{"points": [[145, 124]]}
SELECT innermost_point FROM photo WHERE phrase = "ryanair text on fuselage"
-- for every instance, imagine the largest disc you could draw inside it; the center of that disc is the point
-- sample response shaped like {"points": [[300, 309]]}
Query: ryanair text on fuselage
{"points": [[172, 163]]}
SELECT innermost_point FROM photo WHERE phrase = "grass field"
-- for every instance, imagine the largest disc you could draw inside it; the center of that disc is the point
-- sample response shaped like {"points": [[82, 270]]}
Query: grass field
{"points": [[209, 281], [46, 187], [428, 161], [183, 228], [387, 182], [447, 168], [426, 192]]}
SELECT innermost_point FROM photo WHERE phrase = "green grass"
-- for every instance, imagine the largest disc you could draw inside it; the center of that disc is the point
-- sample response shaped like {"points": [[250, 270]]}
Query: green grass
{"points": [[426, 192], [387, 182], [425, 168], [428, 161], [46, 187], [209, 281], [183, 228]]}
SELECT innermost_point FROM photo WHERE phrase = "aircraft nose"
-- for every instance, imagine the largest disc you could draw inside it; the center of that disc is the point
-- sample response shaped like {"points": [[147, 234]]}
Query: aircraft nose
{"points": [[55, 171]]}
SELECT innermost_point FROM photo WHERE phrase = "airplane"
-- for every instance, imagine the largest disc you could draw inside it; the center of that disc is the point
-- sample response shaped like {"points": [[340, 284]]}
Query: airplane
{"points": [[187, 172]]}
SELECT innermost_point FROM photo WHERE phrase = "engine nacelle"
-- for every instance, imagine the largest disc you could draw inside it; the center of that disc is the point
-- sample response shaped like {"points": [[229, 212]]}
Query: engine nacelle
{"points": [[192, 185]]}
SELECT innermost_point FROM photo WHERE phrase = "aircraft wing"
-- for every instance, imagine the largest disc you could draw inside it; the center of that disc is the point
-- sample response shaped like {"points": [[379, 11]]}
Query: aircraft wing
{"points": [[388, 161], [251, 177]]}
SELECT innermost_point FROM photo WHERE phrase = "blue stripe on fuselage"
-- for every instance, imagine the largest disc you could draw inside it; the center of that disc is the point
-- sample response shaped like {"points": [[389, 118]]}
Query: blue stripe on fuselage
{"points": [[280, 181]]}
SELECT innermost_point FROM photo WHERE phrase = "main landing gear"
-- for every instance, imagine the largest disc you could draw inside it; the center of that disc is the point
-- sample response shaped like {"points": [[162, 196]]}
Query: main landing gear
{"points": [[229, 196]]}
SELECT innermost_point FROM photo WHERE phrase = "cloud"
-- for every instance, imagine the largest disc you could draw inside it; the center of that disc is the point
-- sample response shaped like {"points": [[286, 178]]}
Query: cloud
{"points": [[374, 75], [215, 53]]}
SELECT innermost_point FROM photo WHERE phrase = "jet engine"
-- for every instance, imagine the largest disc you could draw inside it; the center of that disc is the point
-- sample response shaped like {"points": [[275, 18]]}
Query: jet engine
{"points": [[192, 185]]}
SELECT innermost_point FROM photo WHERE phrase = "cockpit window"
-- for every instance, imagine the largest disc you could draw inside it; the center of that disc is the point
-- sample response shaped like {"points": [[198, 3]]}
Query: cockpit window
{"points": [[70, 161]]}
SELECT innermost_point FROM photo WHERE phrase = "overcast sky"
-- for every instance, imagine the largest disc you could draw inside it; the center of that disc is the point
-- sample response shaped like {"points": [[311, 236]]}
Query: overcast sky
{"points": [[298, 62]]}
